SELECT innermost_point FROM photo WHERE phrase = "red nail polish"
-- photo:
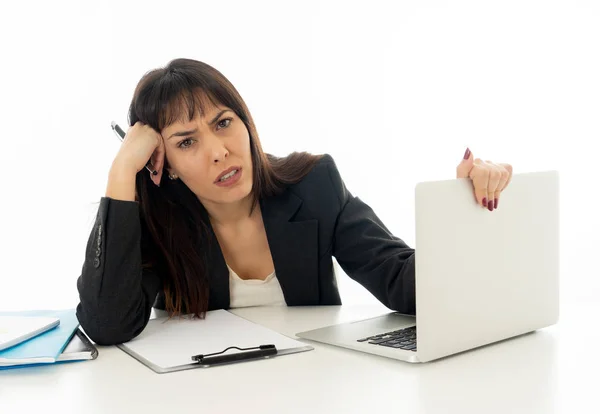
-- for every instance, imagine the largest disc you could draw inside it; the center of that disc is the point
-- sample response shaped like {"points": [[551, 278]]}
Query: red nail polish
{"points": [[467, 154], [484, 202], [495, 203], [491, 205]]}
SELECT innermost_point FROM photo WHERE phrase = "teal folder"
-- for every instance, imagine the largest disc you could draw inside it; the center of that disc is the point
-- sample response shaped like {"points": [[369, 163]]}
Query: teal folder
{"points": [[46, 347]]}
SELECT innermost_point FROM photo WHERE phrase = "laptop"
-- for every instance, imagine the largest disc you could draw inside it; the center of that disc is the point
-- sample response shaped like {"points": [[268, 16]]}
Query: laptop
{"points": [[481, 277]]}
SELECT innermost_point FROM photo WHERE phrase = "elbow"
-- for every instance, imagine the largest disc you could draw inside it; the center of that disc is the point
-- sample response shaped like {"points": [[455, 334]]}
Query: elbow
{"points": [[108, 330], [106, 336]]}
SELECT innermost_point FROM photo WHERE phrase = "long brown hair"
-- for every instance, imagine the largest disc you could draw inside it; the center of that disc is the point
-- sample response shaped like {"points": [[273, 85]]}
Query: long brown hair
{"points": [[174, 222]]}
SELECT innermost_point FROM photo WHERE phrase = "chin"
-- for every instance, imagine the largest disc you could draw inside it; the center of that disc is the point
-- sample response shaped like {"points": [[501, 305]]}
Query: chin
{"points": [[238, 193]]}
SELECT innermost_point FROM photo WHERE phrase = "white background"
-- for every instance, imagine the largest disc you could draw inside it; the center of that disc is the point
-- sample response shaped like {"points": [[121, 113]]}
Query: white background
{"points": [[395, 91]]}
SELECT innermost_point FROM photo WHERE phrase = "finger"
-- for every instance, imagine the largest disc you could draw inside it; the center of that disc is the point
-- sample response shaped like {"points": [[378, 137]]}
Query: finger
{"points": [[151, 165], [480, 177], [158, 161], [504, 175], [509, 170], [464, 168], [493, 185]]}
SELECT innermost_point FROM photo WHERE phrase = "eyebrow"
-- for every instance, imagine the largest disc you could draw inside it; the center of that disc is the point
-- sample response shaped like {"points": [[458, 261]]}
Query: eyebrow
{"points": [[193, 131]]}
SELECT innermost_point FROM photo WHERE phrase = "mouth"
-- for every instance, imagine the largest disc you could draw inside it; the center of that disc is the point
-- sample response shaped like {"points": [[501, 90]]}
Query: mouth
{"points": [[228, 176]]}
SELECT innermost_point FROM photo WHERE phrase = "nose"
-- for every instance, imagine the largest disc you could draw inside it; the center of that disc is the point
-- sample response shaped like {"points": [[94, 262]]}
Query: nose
{"points": [[218, 151]]}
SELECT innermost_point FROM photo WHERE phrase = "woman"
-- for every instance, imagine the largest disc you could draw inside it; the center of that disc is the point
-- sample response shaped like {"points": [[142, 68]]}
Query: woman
{"points": [[221, 224]]}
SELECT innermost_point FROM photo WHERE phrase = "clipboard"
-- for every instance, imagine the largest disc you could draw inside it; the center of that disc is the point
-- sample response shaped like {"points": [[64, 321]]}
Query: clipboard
{"points": [[183, 342]]}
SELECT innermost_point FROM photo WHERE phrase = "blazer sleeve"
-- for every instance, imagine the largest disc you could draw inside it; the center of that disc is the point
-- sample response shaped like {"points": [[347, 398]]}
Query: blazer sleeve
{"points": [[116, 295], [369, 253]]}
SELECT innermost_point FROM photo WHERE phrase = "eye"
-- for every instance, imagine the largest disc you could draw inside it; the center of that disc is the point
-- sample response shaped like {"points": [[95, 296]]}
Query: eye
{"points": [[225, 119], [186, 143]]}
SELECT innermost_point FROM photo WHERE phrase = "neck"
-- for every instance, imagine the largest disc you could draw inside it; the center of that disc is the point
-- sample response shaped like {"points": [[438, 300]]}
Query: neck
{"points": [[230, 214]]}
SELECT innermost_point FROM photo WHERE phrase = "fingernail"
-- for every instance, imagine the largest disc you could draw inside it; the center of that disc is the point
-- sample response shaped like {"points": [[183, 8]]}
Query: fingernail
{"points": [[495, 203], [491, 205], [484, 202], [467, 154]]}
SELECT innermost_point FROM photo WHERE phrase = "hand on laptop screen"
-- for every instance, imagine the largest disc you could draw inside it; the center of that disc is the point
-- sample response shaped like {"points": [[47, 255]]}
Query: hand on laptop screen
{"points": [[489, 178]]}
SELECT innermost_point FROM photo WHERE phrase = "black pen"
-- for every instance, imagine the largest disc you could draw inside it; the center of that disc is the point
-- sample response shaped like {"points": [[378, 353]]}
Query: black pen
{"points": [[121, 134]]}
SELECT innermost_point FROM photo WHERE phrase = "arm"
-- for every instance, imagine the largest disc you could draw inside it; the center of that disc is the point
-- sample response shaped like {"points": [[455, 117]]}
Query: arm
{"points": [[368, 253], [116, 295]]}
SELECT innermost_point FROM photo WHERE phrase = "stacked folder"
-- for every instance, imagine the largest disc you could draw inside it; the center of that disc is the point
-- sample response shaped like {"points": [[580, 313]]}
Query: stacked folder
{"points": [[34, 338]]}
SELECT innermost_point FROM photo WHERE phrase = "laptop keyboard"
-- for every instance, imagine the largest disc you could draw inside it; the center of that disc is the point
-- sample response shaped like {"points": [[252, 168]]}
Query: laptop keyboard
{"points": [[403, 339]]}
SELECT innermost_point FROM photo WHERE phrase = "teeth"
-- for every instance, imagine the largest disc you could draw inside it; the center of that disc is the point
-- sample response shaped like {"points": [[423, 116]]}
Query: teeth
{"points": [[226, 176]]}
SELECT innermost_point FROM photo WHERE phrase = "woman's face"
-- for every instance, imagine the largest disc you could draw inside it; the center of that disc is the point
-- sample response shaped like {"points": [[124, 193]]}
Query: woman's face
{"points": [[200, 151]]}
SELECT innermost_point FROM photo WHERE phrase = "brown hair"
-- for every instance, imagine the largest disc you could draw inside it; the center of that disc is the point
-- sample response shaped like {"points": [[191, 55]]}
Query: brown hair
{"points": [[174, 222]]}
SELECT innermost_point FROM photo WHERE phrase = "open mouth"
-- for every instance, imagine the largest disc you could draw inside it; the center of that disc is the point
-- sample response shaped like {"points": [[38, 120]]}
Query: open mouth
{"points": [[230, 178]]}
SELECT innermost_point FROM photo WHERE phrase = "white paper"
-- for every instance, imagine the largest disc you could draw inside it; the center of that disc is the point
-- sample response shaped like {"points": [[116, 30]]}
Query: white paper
{"points": [[170, 343]]}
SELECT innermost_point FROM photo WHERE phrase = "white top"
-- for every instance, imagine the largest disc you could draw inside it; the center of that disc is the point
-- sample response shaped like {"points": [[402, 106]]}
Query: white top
{"points": [[254, 292]]}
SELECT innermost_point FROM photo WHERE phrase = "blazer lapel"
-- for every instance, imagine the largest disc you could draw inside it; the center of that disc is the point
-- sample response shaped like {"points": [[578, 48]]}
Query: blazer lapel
{"points": [[218, 273], [294, 248]]}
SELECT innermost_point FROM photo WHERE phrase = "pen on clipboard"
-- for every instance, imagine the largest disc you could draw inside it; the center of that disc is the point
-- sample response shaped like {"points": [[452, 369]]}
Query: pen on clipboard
{"points": [[121, 134], [261, 351]]}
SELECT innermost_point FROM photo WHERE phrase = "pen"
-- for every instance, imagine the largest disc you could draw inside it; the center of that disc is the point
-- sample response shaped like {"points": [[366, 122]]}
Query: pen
{"points": [[121, 134], [261, 351]]}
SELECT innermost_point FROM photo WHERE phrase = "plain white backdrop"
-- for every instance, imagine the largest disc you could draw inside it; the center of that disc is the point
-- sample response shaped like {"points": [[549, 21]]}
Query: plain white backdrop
{"points": [[394, 91]]}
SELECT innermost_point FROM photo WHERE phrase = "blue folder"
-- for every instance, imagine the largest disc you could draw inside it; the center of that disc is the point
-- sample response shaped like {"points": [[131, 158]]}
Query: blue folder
{"points": [[46, 347]]}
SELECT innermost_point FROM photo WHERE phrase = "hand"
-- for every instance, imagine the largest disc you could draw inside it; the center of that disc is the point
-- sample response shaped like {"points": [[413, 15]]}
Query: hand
{"points": [[489, 179], [142, 143]]}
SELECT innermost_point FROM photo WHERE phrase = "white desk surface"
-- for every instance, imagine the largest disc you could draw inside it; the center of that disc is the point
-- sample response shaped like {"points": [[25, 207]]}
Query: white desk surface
{"points": [[553, 370]]}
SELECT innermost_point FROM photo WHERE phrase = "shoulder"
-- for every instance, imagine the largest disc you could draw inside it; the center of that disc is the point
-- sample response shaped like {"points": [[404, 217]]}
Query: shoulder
{"points": [[323, 183]]}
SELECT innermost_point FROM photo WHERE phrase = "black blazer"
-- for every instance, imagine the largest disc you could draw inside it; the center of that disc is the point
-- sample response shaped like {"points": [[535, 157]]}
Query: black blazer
{"points": [[308, 224]]}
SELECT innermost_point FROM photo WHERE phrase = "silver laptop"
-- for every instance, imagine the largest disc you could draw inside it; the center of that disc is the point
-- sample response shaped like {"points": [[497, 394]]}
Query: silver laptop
{"points": [[481, 276]]}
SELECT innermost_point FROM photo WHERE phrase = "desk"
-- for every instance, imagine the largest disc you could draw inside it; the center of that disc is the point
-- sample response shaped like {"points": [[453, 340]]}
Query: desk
{"points": [[554, 370]]}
